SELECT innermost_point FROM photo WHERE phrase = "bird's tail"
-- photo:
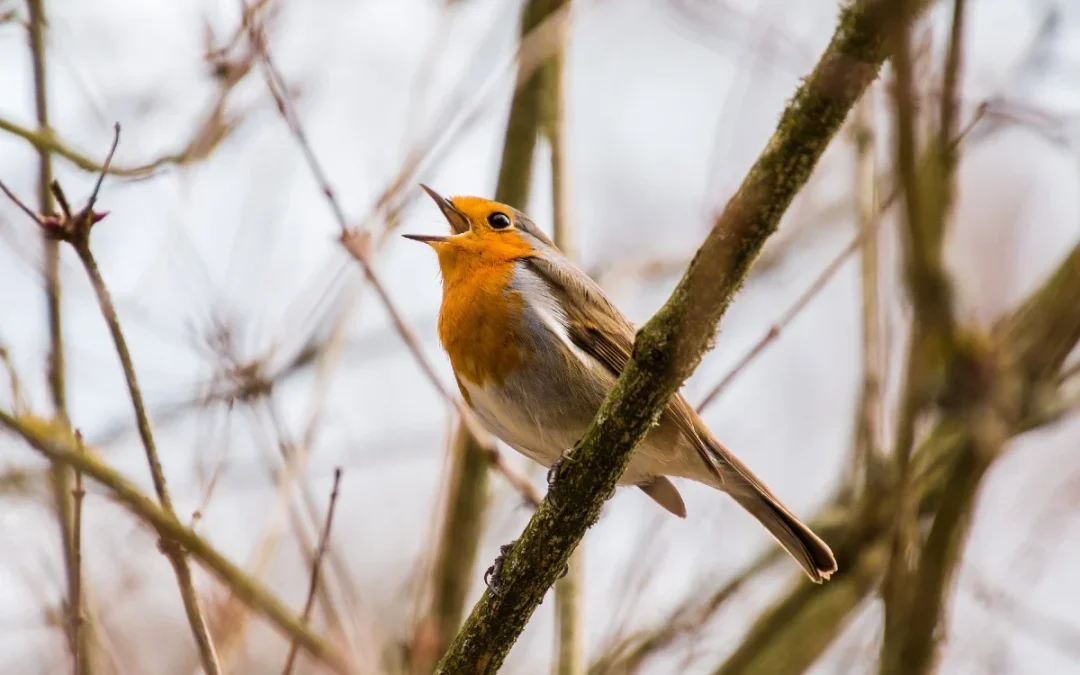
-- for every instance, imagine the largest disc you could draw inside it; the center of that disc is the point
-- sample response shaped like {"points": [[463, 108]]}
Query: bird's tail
{"points": [[812, 554]]}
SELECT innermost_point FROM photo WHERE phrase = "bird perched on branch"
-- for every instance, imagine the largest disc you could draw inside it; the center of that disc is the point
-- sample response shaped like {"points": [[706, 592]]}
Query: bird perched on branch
{"points": [[536, 345]]}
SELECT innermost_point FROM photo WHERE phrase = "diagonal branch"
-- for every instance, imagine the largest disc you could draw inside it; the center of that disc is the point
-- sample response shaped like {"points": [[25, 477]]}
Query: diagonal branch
{"points": [[316, 564], [671, 344], [59, 445]]}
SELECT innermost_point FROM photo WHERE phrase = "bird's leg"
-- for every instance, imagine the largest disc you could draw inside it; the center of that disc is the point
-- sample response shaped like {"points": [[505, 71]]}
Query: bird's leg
{"points": [[553, 471], [491, 576]]}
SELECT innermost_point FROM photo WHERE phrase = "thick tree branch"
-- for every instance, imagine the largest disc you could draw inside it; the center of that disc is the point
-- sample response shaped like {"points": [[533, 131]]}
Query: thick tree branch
{"points": [[671, 344]]}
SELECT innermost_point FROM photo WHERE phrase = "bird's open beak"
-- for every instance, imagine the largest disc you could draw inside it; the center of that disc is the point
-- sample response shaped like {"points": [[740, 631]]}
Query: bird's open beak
{"points": [[459, 223], [427, 238]]}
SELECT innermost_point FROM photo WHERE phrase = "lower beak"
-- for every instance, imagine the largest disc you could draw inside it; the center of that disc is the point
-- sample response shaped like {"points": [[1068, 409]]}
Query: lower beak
{"points": [[427, 238]]}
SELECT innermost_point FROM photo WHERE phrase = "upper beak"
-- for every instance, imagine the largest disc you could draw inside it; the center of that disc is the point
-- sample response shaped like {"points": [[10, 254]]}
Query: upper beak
{"points": [[427, 238], [459, 223]]}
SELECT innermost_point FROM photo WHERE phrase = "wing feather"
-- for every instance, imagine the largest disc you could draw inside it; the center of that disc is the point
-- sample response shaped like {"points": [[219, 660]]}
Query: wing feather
{"points": [[598, 328]]}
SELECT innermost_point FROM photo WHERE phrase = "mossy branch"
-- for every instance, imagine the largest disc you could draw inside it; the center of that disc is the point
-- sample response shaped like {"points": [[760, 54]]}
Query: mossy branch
{"points": [[672, 343]]}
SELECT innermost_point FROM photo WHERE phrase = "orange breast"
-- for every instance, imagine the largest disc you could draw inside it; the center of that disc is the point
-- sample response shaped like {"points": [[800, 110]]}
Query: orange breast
{"points": [[480, 324]]}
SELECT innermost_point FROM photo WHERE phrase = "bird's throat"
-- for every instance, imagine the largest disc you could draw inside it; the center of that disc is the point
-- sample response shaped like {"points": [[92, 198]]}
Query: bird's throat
{"points": [[480, 323]]}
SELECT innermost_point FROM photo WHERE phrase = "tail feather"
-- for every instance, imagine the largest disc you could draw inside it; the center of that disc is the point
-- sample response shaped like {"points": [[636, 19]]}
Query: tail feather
{"points": [[812, 554]]}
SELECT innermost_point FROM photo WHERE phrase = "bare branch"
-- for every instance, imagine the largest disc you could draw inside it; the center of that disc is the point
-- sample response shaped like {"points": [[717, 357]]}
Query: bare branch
{"points": [[75, 229], [785, 319], [324, 541], [59, 476]]}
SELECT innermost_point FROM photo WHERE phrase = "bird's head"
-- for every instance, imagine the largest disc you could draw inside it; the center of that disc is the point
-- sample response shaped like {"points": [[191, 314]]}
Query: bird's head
{"points": [[485, 233]]}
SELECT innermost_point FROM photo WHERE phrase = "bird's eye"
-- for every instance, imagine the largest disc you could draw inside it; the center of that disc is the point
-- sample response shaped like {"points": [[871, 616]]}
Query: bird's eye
{"points": [[499, 221]]}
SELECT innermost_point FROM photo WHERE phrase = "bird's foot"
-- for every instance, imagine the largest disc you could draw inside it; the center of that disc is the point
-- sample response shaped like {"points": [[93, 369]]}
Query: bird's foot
{"points": [[553, 471], [491, 576]]}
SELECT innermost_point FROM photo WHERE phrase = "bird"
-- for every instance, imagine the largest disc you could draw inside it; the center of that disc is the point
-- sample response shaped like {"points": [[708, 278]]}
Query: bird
{"points": [[535, 346]]}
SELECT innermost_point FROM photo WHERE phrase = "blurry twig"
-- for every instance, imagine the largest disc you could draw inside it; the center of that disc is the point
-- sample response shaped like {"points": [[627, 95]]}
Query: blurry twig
{"points": [[324, 541], [867, 442], [570, 628], [1063, 634], [461, 530], [788, 316], [686, 619], [946, 369], [60, 445], [74, 228], [76, 597], [59, 476], [215, 126], [14, 383], [295, 455]]}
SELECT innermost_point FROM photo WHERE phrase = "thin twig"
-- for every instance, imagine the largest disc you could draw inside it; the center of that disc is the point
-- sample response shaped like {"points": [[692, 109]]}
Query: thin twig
{"points": [[76, 596], [75, 229], [14, 382], [950, 94], [1014, 606], [195, 615], [689, 617], [59, 476], [21, 204], [785, 319], [295, 456], [324, 541]]}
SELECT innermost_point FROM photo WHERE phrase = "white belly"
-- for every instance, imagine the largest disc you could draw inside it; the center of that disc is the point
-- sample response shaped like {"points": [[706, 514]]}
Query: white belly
{"points": [[525, 428]]}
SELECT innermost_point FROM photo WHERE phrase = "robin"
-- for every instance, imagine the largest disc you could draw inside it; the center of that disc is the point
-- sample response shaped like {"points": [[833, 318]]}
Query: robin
{"points": [[536, 345]]}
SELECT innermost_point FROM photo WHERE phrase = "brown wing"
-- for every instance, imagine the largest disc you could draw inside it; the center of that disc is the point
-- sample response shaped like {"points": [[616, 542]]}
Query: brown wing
{"points": [[600, 330]]}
